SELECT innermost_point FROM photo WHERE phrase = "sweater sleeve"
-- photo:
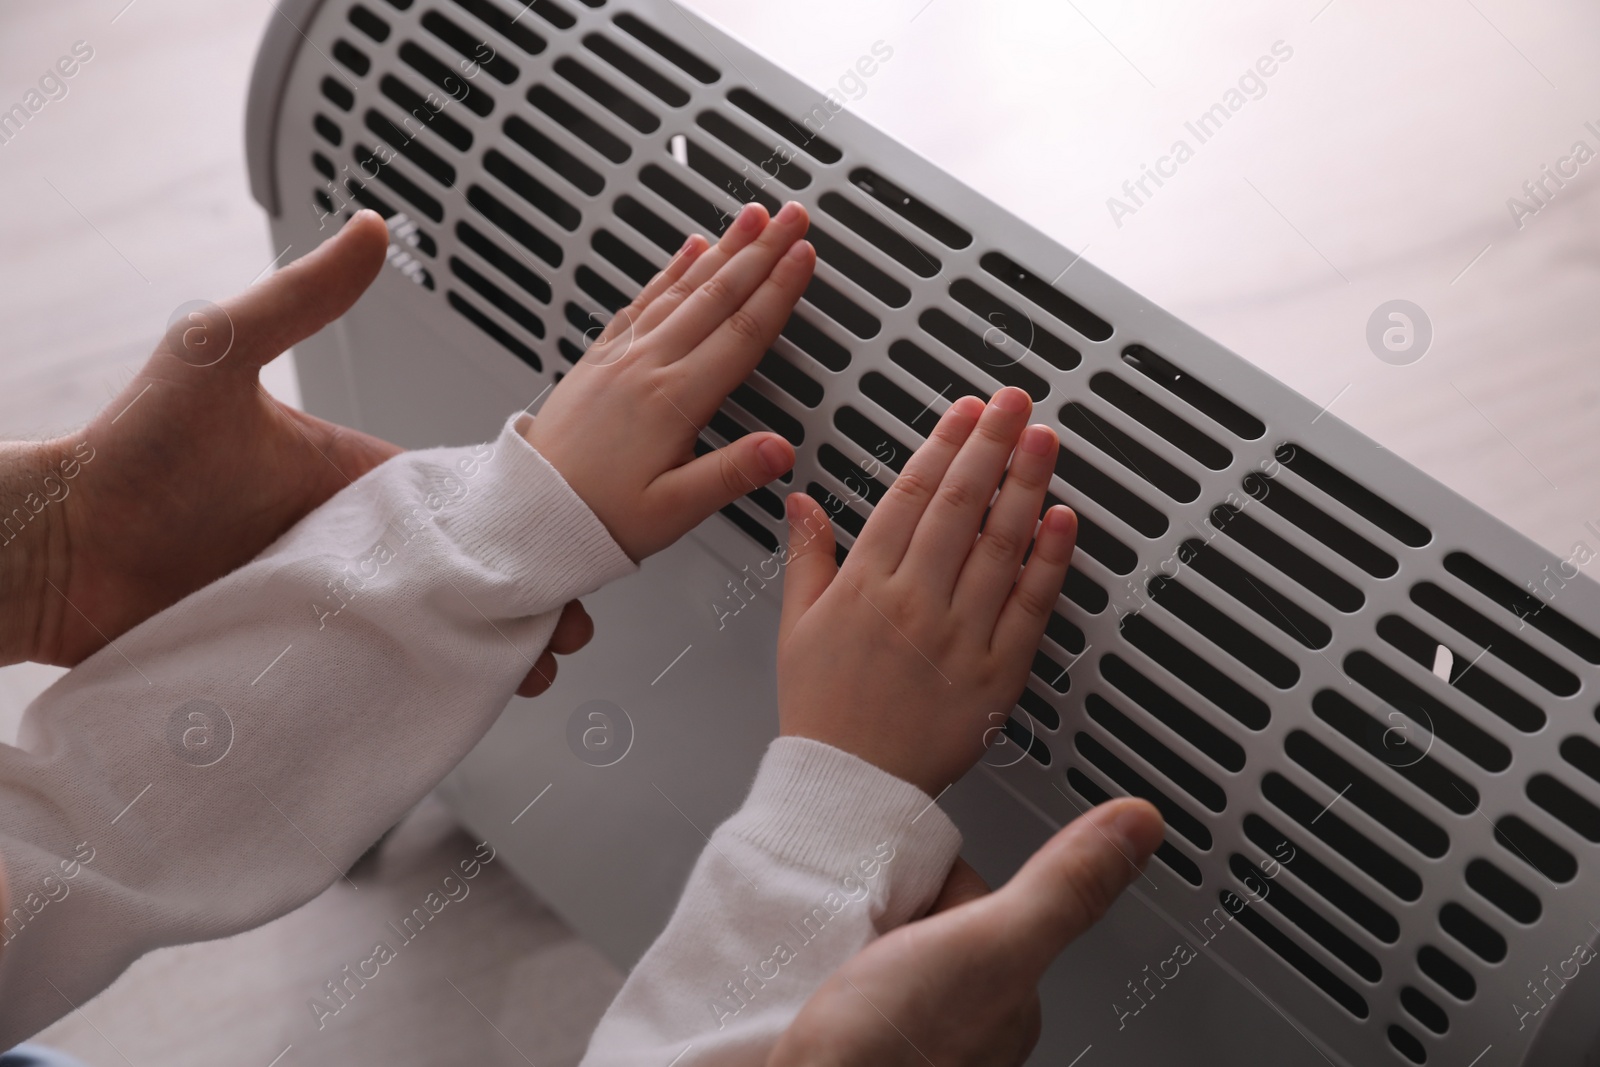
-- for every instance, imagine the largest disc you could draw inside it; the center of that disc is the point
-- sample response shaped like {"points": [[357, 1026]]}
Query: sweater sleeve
{"points": [[228, 759], [827, 853]]}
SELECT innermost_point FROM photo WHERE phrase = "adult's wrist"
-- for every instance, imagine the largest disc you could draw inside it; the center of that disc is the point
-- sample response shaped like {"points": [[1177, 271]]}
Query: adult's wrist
{"points": [[35, 478]]}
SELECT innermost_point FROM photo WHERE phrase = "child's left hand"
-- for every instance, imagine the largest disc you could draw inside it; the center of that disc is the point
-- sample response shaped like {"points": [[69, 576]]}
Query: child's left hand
{"points": [[621, 426]]}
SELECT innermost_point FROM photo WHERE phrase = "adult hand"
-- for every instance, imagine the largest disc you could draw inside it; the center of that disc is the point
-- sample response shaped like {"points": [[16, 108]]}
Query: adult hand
{"points": [[960, 987], [191, 471], [929, 629], [621, 427]]}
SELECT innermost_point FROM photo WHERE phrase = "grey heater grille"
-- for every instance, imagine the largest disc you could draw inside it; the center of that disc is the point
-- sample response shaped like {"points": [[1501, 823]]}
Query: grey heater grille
{"points": [[1365, 708]]}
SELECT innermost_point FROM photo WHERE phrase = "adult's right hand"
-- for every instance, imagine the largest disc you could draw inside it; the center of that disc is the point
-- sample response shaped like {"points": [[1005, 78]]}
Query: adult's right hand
{"points": [[960, 987]]}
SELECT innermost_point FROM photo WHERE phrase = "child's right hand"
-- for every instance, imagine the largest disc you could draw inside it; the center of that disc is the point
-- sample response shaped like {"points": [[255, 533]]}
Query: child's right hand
{"points": [[621, 427], [913, 653]]}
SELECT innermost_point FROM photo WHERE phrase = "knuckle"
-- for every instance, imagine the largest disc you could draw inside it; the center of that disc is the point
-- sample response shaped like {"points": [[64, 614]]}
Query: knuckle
{"points": [[744, 325], [957, 494], [1002, 544], [1035, 601], [733, 479], [912, 485], [678, 291], [716, 289]]}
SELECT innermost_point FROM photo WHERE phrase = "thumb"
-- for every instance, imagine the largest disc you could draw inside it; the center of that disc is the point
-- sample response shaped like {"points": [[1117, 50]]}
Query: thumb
{"points": [[811, 563], [710, 482], [290, 305], [1070, 883]]}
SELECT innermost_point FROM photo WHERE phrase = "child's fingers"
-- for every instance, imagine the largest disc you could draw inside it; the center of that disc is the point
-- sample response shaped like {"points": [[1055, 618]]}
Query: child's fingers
{"points": [[724, 294], [991, 568], [946, 534], [727, 357], [711, 482], [811, 564], [628, 318], [746, 227], [1026, 610], [890, 527]]}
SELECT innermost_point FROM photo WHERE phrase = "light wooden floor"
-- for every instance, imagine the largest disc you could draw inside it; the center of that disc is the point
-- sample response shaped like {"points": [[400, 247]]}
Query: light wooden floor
{"points": [[1376, 166]]}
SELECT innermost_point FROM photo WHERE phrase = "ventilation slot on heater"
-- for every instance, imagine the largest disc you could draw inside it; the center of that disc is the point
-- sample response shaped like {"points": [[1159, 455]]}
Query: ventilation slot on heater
{"points": [[1499, 642], [795, 133], [428, 161], [1308, 965], [1178, 818], [513, 224], [1258, 596], [508, 26], [1025, 739], [1425, 1011], [1392, 745], [506, 263], [580, 125], [1503, 891], [1161, 705], [607, 95], [1046, 296], [1002, 367], [1445, 722], [1477, 935], [1196, 672], [910, 208], [1158, 419], [408, 190], [369, 22], [753, 149], [1318, 819], [1168, 853], [1274, 894], [1201, 397], [1095, 542], [1561, 801], [1320, 525], [477, 52], [498, 297], [338, 94], [1353, 495], [1352, 902], [1228, 635], [447, 78], [351, 56], [416, 106], [1450, 975], [1293, 562], [1406, 1044], [1040, 708], [650, 79], [578, 173], [1535, 849], [1173, 766], [1472, 679], [1124, 449], [532, 190], [495, 330], [1531, 609], [1385, 808]]}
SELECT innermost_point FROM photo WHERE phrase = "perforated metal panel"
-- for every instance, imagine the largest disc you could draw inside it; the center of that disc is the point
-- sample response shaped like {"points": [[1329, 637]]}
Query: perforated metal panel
{"points": [[1366, 709]]}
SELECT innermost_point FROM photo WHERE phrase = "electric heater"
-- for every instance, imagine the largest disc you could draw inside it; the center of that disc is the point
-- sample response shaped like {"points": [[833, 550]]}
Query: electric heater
{"points": [[1362, 704]]}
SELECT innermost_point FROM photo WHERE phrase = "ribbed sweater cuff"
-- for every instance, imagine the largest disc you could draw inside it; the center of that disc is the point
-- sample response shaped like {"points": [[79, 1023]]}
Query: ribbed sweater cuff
{"points": [[818, 807], [521, 517]]}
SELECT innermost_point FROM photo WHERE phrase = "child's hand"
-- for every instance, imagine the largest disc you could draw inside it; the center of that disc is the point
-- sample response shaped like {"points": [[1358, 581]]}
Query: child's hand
{"points": [[912, 654], [621, 426]]}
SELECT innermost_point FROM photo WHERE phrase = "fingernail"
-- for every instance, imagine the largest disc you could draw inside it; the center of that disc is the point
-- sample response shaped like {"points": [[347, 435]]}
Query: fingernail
{"points": [[1011, 401], [749, 215], [688, 243], [775, 455], [1059, 518], [1037, 440], [1132, 823], [800, 251], [788, 213]]}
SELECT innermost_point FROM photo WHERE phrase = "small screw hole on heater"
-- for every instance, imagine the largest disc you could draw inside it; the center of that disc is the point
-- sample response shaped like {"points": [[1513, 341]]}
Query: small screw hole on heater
{"points": [[1166, 852], [1172, 713]]}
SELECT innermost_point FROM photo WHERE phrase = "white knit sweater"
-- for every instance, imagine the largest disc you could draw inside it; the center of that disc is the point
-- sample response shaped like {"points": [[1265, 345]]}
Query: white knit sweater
{"points": [[225, 761]]}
